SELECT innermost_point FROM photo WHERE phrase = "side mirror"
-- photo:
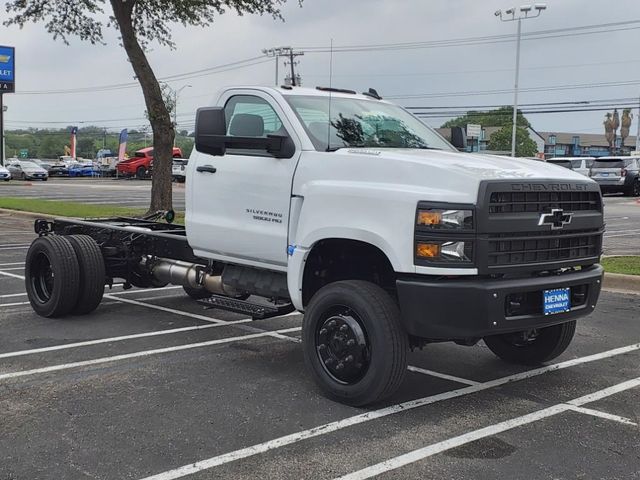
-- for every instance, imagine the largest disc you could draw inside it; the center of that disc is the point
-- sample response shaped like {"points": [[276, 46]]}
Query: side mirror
{"points": [[458, 138], [211, 137]]}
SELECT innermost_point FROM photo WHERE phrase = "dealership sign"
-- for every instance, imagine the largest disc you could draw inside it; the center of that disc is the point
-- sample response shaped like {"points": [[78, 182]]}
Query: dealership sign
{"points": [[7, 70]]}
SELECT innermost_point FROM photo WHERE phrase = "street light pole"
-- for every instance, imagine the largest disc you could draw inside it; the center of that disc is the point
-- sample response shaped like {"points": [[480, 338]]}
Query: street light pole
{"points": [[522, 14], [175, 111]]}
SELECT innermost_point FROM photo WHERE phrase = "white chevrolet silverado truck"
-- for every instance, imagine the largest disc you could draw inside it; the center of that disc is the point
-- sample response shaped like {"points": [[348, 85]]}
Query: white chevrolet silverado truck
{"points": [[349, 209]]}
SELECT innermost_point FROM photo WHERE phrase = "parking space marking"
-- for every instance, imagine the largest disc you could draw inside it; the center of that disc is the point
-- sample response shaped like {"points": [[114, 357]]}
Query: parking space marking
{"points": [[14, 248], [124, 292], [12, 269], [144, 353], [598, 413], [15, 304], [428, 451], [2, 265], [121, 338], [13, 275], [376, 414], [444, 376], [167, 309]]}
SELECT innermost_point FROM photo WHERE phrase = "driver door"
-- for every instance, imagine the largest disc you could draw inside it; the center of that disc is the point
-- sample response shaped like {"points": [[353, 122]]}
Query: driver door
{"points": [[239, 202]]}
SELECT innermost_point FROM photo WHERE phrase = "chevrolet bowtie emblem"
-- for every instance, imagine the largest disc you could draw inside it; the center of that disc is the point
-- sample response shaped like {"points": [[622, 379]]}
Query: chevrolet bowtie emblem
{"points": [[556, 219]]}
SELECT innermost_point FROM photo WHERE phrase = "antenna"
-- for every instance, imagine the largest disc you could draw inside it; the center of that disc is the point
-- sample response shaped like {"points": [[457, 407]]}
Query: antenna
{"points": [[330, 88]]}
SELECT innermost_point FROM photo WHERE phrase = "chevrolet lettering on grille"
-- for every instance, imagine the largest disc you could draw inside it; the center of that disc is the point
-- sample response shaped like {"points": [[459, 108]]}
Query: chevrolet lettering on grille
{"points": [[557, 219]]}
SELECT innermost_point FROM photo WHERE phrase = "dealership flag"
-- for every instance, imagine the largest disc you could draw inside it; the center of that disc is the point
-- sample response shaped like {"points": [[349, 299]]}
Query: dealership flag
{"points": [[123, 144], [74, 132]]}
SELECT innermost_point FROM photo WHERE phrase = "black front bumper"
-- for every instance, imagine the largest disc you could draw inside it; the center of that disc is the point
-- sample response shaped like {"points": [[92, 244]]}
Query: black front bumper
{"points": [[460, 308]]}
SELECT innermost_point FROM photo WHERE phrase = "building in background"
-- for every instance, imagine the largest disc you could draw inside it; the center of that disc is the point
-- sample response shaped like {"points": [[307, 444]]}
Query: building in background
{"points": [[563, 144]]}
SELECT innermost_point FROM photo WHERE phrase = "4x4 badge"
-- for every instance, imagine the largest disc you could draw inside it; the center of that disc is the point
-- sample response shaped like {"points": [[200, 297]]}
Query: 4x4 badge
{"points": [[557, 219]]}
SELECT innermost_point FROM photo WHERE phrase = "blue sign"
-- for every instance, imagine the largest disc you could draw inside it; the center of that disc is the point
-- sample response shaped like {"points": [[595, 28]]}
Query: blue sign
{"points": [[557, 300], [7, 69]]}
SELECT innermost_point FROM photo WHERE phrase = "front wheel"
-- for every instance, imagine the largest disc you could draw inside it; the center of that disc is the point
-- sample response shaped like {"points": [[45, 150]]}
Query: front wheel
{"points": [[354, 344], [532, 347]]}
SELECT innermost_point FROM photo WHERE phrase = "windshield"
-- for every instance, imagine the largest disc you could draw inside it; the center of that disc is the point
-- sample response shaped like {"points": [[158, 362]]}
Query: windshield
{"points": [[29, 165], [362, 123], [608, 164]]}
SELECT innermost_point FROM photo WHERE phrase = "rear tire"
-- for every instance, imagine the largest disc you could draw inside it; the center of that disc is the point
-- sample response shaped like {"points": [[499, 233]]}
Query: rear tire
{"points": [[52, 276], [354, 344], [141, 172], [547, 344], [92, 273]]}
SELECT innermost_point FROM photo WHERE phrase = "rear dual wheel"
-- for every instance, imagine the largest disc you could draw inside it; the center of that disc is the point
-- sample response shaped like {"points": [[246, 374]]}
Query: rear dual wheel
{"points": [[64, 275], [354, 344]]}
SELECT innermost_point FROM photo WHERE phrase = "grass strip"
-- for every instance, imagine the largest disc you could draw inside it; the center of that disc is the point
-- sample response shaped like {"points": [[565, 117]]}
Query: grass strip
{"points": [[626, 265]]}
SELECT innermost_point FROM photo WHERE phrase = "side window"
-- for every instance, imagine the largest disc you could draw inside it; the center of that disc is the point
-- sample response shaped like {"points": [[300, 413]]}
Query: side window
{"points": [[251, 116], [576, 164], [589, 162]]}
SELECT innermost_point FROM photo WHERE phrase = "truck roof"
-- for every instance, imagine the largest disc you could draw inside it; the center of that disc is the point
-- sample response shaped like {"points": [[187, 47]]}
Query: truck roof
{"points": [[287, 91]]}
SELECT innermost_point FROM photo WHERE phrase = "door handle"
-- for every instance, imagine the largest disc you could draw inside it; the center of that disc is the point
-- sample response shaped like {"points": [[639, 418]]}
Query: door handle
{"points": [[206, 169]]}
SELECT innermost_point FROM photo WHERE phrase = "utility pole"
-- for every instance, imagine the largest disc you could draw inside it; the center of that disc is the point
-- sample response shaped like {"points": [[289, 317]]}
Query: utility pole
{"points": [[523, 14], [638, 132], [289, 53], [176, 93]]}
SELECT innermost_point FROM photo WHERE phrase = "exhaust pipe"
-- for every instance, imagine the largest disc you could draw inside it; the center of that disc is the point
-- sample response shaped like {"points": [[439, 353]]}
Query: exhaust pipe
{"points": [[188, 275]]}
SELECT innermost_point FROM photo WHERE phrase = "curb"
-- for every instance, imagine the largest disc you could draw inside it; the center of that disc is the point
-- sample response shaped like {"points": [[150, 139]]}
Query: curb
{"points": [[618, 282]]}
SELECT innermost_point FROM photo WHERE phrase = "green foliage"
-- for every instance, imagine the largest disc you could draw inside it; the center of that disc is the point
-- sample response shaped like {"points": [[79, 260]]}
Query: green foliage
{"points": [[501, 141], [500, 117], [66, 209], [151, 19]]}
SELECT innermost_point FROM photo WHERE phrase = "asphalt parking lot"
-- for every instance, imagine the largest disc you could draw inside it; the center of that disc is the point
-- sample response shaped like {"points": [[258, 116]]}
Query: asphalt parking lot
{"points": [[153, 386]]}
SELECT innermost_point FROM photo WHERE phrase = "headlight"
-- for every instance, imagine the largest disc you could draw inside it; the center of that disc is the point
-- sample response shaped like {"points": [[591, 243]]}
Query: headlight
{"points": [[444, 234], [444, 219], [433, 251]]}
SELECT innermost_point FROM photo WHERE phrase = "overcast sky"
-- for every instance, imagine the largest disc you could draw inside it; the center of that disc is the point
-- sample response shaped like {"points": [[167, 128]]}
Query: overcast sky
{"points": [[44, 64]]}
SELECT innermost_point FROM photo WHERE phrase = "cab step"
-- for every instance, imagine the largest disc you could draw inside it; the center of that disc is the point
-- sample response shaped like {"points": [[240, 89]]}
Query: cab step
{"points": [[256, 311]]}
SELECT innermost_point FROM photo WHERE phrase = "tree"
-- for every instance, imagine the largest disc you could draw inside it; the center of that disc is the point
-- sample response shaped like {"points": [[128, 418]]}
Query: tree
{"points": [[525, 146], [500, 117], [139, 22]]}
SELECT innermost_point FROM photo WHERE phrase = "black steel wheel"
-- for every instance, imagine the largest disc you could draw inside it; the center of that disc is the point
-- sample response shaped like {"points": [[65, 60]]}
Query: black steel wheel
{"points": [[354, 344], [141, 172], [92, 273], [52, 276], [532, 347]]}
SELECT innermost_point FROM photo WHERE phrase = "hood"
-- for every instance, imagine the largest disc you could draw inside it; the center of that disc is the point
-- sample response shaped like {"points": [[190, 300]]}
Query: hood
{"points": [[34, 170], [473, 165], [3, 169]]}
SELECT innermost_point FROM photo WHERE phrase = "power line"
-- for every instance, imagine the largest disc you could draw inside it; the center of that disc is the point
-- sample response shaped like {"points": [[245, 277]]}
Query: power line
{"points": [[482, 40], [548, 88], [609, 101], [249, 62]]}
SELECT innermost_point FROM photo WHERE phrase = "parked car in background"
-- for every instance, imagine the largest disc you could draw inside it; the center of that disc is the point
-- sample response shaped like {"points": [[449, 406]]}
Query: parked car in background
{"points": [[577, 164], [46, 164], [179, 169], [27, 170], [140, 164], [83, 169], [617, 174], [4, 174]]}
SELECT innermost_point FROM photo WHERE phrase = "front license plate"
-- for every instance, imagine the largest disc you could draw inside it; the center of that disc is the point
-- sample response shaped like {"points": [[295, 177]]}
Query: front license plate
{"points": [[604, 174], [557, 300]]}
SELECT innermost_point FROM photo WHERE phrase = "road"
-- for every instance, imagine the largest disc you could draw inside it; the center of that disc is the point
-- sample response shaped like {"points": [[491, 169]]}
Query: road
{"points": [[622, 214], [153, 386]]}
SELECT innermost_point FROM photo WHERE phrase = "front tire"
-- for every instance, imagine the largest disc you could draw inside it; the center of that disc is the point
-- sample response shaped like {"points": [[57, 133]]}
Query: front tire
{"points": [[354, 344], [532, 347], [52, 276]]}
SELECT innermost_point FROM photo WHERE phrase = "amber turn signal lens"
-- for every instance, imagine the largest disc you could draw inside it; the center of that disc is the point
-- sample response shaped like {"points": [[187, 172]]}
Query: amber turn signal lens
{"points": [[429, 217], [428, 250]]}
